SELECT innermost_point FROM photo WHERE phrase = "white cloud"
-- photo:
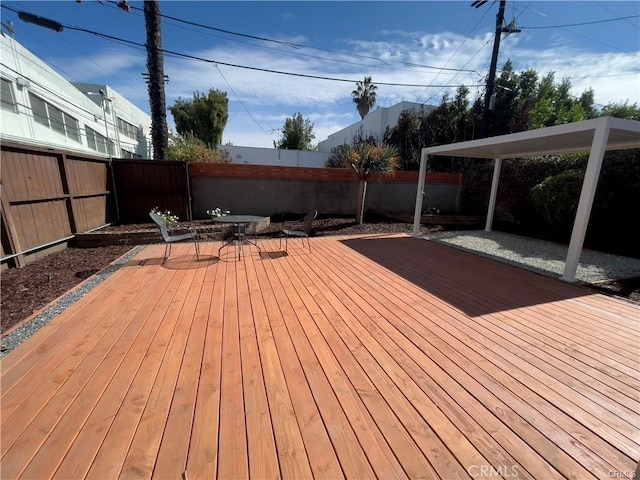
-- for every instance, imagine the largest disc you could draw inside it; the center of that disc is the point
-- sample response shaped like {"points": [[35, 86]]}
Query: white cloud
{"points": [[401, 57], [108, 63]]}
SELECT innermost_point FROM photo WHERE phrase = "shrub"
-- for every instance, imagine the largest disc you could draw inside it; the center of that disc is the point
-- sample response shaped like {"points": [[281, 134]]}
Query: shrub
{"points": [[188, 148], [556, 199]]}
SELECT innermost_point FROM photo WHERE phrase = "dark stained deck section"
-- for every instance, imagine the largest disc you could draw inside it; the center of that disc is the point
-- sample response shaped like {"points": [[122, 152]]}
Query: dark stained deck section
{"points": [[387, 357]]}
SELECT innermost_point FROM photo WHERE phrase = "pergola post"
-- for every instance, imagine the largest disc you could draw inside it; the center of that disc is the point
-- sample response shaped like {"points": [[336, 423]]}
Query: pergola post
{"points": [[417, 214], [494, 194], [589, 185]]}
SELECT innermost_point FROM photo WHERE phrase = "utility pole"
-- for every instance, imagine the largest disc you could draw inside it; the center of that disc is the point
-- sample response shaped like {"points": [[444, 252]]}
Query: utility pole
{"points": [[491, 79], [155, 66]]}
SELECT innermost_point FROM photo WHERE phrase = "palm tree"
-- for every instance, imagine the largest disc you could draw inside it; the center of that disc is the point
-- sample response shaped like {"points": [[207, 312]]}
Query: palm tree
{"points": [[155, 66], [364, 96], [367, 160]]}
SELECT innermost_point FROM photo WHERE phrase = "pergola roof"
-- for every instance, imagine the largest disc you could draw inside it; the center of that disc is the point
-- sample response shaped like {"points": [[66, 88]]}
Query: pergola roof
{"points": [[594, 136], [570, 138]]}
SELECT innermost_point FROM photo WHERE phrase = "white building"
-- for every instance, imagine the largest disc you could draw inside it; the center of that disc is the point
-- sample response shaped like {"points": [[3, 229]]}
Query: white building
{"points": [[41, 108], [374, 124]]}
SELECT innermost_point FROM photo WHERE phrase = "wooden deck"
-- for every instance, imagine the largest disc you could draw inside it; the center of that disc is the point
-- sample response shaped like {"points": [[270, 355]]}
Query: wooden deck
{"points": [[385, 357]]}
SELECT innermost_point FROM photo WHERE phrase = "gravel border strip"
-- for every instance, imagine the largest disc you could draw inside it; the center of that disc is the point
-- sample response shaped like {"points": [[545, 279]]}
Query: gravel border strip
{"points": [[540, 256], [11, 341]]}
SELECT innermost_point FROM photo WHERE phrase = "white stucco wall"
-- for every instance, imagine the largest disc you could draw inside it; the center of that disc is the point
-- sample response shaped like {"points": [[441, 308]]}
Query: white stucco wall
{"points": [[374, 123], [27, 73], [272, 156]]}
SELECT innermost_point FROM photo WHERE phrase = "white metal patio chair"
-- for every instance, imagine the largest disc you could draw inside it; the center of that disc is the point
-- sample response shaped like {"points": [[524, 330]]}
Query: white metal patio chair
{"points": [[170, 239], [302, 234]]}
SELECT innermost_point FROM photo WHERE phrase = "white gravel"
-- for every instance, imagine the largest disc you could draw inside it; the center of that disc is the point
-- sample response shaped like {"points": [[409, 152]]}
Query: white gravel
{"points": [[544, 257]]}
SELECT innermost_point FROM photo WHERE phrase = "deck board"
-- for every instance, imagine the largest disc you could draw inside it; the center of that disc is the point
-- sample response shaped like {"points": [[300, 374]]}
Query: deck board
{"points": [[379, 356]]}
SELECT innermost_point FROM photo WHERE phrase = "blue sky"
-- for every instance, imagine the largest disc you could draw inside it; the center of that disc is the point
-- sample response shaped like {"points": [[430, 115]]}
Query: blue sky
{"points": [[393, 42]]}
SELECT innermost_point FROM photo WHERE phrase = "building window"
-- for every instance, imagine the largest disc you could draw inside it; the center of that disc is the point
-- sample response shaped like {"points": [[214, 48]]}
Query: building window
{"points": [[128, 129], [6, 95], [39, 109], [72, 126], [52, 117], [57, 119], [127, 154], [98, 142]]}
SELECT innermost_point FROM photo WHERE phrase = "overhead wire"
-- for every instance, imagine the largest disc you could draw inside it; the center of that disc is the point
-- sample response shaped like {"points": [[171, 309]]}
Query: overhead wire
{"points": [[581, 23], [241, 102], [451, 58], [208, 60], [60, 69], [141, 46], [59, 98], [72, 46], [575, 32], [296, 46], [601, 5]]}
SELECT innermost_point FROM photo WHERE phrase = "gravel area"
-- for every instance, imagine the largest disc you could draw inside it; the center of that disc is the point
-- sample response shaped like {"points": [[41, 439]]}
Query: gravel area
{"points": [[22, 333], [543, 257]]}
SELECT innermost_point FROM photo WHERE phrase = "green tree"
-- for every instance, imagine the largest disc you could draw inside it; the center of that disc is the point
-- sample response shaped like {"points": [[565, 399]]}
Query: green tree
{"points": [[556, 199], [364, 96], [556, 106], [204, 116], [297, 134], [408, 137], [368, 159], [452, 121], [621, 110]]}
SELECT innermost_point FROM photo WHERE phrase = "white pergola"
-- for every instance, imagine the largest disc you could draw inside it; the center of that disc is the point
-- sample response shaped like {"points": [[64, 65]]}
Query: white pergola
{"points": [[596, 136]]}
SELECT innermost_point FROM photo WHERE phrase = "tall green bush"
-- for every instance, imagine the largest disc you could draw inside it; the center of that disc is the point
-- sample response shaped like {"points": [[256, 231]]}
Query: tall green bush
{"points": [[187, 148], [556, 198]]}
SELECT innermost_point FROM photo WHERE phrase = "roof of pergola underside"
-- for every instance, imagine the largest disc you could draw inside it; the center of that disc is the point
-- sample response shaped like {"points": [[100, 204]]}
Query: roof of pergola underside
{"points": [[569, 138]]}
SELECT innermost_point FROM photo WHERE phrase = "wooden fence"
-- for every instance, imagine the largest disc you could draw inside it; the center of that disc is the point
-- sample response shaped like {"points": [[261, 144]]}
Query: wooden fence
{"points": [[50, 195], [47, 197], [141, 185]]}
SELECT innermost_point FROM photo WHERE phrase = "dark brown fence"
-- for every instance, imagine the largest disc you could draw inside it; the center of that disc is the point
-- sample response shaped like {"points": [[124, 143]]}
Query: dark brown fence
{"points": [[47, 197], [141, 185]]}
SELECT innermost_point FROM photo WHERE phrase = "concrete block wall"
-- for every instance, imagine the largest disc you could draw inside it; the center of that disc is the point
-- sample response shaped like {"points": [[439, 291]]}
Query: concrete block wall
{"points": [[272, 196]]}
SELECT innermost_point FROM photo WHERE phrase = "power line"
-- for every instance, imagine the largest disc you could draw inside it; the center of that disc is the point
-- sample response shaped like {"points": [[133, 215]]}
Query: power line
{"points": [[451, 58], [241, 102], [611, 11], [207, 60], [581, 34], [59, 97], [580, 24], [56, 67], [291, 44], [299, 46]]}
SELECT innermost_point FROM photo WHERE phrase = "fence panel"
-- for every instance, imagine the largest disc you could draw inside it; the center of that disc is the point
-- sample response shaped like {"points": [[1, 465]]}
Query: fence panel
{"points": [[47, 197], [141, 185]]}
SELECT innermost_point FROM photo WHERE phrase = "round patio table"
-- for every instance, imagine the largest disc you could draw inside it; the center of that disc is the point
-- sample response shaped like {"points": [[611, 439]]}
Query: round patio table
{"points": [[239, 236]]}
